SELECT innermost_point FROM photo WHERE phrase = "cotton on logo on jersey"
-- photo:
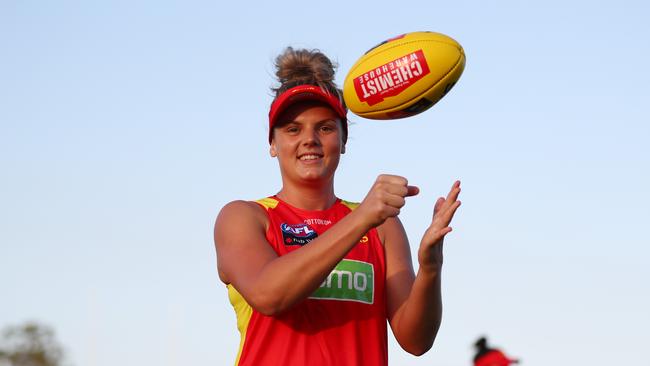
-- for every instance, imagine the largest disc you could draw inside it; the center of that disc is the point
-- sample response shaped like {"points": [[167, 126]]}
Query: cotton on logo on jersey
{"points": [[297, 234], [392, 78], [350, 280], [323, 222]]}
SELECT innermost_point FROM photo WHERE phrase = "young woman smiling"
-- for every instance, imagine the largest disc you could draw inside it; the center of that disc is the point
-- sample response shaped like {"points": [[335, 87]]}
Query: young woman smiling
{"points": [[314, 279]]}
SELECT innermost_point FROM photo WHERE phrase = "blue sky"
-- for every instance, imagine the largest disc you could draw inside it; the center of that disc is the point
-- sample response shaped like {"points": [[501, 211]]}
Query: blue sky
{"points": [[126, 126]]}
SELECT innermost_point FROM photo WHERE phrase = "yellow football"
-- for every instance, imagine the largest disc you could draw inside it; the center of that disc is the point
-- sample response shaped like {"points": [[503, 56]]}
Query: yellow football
{"points": [[403, 76]]}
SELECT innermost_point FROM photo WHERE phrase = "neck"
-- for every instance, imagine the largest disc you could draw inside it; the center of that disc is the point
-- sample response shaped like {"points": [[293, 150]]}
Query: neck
{"points": [[306, 197]]}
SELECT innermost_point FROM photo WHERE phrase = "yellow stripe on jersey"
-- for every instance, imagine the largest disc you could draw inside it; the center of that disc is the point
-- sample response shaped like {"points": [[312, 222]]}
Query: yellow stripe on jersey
{"points": [[350, 205], [268, 203], [243, 311]]}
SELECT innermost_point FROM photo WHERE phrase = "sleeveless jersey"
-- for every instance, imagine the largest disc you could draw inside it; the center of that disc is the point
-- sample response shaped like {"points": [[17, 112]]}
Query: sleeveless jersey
{"points": [[342, 323]]}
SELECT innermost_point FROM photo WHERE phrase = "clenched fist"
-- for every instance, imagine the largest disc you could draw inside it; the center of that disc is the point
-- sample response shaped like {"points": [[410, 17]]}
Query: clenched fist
{"points": [[385, 198]]}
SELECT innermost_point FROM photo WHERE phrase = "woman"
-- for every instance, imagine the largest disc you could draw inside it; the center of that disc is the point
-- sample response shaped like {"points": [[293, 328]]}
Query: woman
{"points": [[313, 278]]}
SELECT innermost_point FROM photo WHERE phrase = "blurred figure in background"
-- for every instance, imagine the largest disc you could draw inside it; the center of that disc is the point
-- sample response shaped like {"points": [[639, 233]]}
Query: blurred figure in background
{"points": [[487, 356]]}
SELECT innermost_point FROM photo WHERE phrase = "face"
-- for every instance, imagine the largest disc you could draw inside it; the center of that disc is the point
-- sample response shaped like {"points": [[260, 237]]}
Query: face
{"points": [[308, 143]]}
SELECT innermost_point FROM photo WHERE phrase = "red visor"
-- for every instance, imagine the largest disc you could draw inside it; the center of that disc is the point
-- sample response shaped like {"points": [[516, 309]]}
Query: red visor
{"points": [[304, 93]]}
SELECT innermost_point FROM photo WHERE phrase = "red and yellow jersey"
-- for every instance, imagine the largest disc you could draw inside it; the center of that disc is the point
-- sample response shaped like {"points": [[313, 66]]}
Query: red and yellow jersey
{"points": [[342, 323]]}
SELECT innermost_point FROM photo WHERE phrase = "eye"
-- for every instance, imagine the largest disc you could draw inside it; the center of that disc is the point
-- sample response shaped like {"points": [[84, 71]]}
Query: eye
{"points": [[292, 129], [328, 127]]}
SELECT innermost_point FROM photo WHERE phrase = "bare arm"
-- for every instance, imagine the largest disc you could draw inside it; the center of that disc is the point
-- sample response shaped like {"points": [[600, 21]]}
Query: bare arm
{"points": [[414, 302], [269, 283], [272, 284]]}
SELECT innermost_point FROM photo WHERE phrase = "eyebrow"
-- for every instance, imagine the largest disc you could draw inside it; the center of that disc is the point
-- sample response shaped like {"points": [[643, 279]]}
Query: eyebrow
{"points": [[294, 122]]}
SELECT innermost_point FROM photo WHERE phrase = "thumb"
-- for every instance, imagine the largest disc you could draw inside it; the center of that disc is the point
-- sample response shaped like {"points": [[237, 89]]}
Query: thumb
{"points": [[412, 191]]}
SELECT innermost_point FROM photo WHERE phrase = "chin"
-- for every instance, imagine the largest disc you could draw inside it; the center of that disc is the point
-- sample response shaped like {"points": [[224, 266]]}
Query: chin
{"points": [[312, 177]]}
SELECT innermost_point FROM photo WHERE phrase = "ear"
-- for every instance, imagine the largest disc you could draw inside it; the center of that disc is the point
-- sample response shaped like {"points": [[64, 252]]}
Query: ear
{"points": [[272, 151]]}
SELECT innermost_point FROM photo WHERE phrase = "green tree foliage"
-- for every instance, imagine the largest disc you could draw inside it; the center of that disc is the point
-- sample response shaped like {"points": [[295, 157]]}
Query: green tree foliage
{"points": [[30, 344]]}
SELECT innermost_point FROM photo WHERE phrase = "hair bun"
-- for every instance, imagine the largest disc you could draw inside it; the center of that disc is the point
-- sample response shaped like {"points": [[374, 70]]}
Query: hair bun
{"points": [[297, 67]]}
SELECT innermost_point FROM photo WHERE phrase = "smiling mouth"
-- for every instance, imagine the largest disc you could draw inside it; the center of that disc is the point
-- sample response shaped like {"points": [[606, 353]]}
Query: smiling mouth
{"points": [[308, 157]]}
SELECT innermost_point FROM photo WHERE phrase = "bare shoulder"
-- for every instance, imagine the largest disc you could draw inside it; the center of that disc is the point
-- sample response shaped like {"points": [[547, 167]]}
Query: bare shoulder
{"points": [[241, 206], [239, 232], [242, 212]]}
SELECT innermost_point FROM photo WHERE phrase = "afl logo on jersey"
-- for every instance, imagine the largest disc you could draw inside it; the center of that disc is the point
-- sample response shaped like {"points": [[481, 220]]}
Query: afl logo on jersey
{"points": [[297, 234]]}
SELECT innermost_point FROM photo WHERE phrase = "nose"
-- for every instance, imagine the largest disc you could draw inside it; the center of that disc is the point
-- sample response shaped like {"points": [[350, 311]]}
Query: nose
{"points": [[311, 137]]}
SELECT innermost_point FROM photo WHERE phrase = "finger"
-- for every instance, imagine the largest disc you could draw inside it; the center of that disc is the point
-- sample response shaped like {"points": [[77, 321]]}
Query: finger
{"points": [[452, 197], [445, 231], [396, 189], [443, 218], [394, 179], [451, 211], [445, 203], [394, 200], [448, 204], [454, 191], [412, 191], [444, 215], [439, 202], [400, 190]]}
